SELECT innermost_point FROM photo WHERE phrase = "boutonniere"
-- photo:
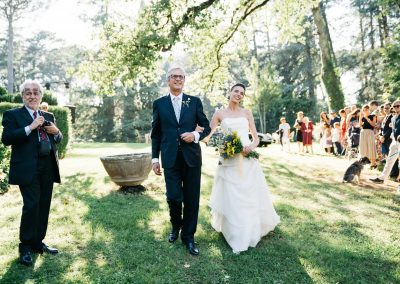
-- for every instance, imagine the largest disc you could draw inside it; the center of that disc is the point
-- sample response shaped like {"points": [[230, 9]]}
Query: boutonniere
{"points": [[186, 102]]}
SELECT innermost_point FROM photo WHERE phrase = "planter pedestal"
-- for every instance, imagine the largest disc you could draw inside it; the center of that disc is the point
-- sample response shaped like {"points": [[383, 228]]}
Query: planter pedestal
{"points": [[128, 169]]}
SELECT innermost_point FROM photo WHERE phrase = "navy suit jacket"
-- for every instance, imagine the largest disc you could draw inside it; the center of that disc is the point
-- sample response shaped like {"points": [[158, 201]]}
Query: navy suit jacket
{"points": [[166, 130], [24, 149], [396, 128]]}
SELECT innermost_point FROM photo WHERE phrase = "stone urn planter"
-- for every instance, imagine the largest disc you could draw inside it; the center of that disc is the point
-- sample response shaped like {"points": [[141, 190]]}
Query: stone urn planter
{"points": [[128, 169]]}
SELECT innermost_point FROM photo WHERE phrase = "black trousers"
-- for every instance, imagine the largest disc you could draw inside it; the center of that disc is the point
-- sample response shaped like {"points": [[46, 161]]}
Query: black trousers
{"points": [[183, 192], [37, 199]]}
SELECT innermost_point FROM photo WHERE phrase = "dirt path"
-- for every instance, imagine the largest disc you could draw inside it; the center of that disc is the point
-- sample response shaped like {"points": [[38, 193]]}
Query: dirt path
{"points": [[323, 166]]}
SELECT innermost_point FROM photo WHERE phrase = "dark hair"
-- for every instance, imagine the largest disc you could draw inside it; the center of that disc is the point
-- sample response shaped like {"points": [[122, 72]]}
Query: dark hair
{"points": [[375, 103], [238, 85]]}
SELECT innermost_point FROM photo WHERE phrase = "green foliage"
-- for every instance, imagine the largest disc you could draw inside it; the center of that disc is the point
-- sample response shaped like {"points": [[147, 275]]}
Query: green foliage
{"points": [[7, 98], [49, 98], [4, 164], [391, 69], [3, 91], [17, 98], [63, 120]]}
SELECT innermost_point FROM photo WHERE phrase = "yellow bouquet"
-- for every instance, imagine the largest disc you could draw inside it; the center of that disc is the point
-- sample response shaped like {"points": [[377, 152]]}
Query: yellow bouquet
{"points": [[230, 145]]}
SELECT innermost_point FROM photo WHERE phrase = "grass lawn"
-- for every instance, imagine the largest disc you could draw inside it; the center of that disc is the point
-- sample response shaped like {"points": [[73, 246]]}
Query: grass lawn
{"points": [[329, 233]]}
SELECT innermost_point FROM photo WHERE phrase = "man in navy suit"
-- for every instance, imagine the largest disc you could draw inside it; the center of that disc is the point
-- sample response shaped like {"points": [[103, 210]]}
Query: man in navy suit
{"points": [[32, 135], [175, 117]]}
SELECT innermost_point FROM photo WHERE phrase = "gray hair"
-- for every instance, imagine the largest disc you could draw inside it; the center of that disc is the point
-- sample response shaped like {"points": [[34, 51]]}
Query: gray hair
{"points": [[169, 73], [30, 82], [396, 101]]}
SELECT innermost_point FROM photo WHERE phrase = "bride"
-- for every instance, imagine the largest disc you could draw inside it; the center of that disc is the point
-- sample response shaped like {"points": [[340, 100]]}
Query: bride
{"points": [[241, 206]]}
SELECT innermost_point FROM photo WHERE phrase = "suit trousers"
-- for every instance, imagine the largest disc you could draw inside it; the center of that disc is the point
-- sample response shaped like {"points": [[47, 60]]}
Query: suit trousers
{"points": [[183, 186], [390, 160], [36, 204]]}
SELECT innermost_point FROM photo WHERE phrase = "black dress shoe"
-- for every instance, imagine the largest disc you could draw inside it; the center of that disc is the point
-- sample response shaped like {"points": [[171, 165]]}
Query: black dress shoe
{"points": [[376, 180], [46, 249], [192, 248], [173, 236], [25, 258]]}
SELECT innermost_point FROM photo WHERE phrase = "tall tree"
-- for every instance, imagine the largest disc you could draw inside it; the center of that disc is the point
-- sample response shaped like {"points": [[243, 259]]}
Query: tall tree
{"points": [[12, 11], [329, 73]]}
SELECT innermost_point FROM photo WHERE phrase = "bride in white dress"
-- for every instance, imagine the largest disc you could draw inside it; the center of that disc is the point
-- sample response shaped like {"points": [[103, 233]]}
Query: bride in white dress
{"points": [[240, 203]]}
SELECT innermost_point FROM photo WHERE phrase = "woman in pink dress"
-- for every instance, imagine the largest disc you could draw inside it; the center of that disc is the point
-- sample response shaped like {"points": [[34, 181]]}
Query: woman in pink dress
{"points": [[306, 130]]}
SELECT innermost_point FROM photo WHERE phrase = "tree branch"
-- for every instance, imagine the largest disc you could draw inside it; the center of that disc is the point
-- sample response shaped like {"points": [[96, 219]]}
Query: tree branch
{"points": [[248, 11]]}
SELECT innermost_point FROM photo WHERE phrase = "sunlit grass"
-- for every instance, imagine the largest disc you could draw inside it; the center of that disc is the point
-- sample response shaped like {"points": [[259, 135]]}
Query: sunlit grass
{"points": [[329, 233]]}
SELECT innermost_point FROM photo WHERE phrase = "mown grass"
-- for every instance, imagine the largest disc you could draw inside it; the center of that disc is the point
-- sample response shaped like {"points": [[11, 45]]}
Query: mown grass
{"points": [[329, 233]]}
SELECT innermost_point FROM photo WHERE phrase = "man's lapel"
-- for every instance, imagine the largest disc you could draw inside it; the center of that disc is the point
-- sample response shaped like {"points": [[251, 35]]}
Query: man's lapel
{"points": [[184, 106], [26, 115]]}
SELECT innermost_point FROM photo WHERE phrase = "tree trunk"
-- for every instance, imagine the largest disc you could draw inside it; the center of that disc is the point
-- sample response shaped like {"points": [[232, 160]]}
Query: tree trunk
{"points": [[385, 27], [371, 29], [364, 77], [330, 79], [309, 71], [10, 55]]}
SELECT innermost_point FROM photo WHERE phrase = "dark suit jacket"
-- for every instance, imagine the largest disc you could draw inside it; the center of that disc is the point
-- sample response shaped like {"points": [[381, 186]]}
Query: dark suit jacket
{"points": [[396, 128], [24, 149], [166, 130], [386, 130]]}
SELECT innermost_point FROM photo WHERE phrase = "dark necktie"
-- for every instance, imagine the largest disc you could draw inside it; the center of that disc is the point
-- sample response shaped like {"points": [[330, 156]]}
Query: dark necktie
{"points": [[42, 133]]}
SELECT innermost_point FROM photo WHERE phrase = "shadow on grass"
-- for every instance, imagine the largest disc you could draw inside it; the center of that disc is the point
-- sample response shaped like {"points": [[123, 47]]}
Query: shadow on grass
{"points": [[46, 269], [339, 252], [337, 195]]}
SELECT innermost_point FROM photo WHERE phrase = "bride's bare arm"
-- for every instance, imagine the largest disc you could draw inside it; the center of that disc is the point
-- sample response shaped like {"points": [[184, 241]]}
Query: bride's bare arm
{"points": [[215, 121], [253, 132]]}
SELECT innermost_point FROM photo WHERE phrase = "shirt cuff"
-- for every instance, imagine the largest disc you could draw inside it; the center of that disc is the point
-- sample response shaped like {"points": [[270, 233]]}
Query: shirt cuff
{"points": [[196, 136], [155, 160], [27, 130], [57, 136]]}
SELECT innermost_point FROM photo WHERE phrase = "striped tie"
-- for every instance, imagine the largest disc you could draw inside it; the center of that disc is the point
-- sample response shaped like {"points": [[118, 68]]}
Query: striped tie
{"points": [[42, 133]]}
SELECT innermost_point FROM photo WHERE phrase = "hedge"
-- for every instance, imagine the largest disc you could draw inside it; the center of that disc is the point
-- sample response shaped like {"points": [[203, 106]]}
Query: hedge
{"points": [[17, 98], [63, 119], [4, 165]]}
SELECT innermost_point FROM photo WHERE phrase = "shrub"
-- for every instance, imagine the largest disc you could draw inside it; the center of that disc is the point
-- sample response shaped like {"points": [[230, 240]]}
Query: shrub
{"points": [[17, 98], [7, 98], [3, 91], [4, 165], [63, 119]]}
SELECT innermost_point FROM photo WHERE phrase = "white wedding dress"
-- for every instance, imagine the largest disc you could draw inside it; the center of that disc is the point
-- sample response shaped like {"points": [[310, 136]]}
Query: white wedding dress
{"points": [[240, 203]]}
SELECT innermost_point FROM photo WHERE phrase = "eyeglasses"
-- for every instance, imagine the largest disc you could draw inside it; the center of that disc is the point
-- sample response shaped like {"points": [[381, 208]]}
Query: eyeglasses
{"points": [[176, 77], [396, 106]]}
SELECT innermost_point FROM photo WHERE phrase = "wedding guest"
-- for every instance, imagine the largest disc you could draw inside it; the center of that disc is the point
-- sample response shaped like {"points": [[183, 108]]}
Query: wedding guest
{"points": [[367, 138], [33, 136], [336, 139], [285, 128], [306, 130], [44, 106], [297, 126]]}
